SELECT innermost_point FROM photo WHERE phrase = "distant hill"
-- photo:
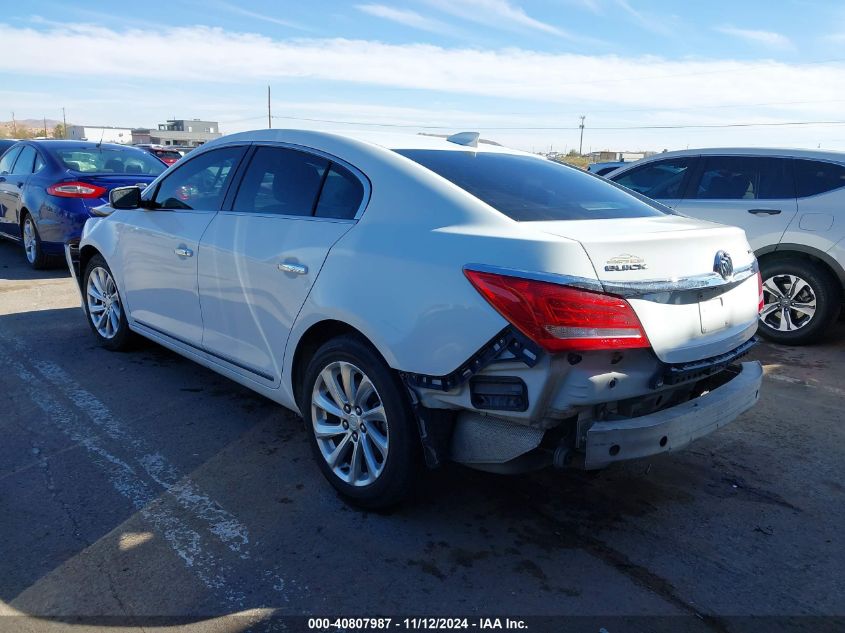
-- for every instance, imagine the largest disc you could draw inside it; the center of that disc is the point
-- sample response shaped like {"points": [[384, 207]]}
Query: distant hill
{"points": [[28, 127]]}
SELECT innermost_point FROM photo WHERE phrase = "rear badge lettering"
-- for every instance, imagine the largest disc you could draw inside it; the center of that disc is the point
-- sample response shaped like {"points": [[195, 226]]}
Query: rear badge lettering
{"points": [[625, 262]]}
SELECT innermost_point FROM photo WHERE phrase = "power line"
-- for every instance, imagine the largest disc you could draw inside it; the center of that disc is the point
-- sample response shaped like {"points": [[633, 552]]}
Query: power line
{"points": [[567, 128]]}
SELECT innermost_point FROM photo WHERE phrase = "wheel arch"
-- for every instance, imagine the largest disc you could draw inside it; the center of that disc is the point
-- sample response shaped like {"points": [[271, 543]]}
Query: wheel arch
{"points": [[86, 253], [807, 253], [311, 340]]}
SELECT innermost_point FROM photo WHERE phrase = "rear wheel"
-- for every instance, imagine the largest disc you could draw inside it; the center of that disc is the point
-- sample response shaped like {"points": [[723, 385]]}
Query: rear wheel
{"points": [[103, 305], [361, 426], [32, 243], [800, 301]]}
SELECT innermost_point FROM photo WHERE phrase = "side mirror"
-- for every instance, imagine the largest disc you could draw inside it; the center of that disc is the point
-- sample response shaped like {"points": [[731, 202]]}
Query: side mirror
{"points": [[125, 198]]}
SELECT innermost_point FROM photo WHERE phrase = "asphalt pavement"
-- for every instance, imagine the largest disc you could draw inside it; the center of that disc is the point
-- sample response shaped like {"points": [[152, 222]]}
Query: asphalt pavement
{"points": [[138, 486]]}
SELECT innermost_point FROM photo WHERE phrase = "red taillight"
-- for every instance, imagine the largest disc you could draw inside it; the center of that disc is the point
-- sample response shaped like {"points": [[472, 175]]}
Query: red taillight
{"points": [[760, 299], [562, 318], [76, 190], [169, 161]]}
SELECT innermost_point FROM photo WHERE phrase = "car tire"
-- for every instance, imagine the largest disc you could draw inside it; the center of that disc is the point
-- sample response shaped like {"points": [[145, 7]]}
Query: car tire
{"points": [[384, 442], [31, 240], [103, 305], [792, 287]]}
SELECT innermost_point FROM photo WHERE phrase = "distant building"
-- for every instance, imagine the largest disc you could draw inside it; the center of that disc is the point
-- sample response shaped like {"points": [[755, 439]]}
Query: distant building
{"points": [[106, 134], [190, 132]]}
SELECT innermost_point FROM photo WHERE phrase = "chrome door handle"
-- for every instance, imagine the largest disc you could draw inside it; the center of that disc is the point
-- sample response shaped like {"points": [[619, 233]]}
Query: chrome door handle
{"points": [[184, 252], [298, 269]]}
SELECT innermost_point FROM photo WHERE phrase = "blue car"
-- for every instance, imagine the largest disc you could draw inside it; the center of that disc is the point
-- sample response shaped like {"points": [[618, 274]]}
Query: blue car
{"points": [[48, 188]]}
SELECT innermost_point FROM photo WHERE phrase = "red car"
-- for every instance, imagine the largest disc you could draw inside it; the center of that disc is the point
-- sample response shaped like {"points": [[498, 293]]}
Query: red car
{"points": [[167, 156]]}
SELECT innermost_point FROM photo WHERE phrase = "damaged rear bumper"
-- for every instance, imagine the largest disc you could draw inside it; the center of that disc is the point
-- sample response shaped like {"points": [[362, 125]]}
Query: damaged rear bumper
{"points": [[671, 429]]}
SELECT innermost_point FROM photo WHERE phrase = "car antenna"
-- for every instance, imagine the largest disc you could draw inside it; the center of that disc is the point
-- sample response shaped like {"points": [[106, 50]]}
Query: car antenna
{"points": [[102, 134]]}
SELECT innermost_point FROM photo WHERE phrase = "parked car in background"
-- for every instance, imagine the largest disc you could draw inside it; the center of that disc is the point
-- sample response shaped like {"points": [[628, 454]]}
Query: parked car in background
{"points": [[790, 204], [6, 143], [183, 150], [415, 295], [603, 169], [48, 188], [165, 154]]}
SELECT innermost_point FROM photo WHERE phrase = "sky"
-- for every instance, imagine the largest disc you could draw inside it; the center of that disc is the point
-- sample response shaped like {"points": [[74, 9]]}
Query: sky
{"points": [[522, 72]]}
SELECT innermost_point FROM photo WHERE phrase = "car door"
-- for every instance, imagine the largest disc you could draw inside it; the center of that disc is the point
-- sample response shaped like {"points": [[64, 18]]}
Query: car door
{"points": [[260, 257], [820, 188], [756, 193], [9, 192], [663, 180], [158, 246]]}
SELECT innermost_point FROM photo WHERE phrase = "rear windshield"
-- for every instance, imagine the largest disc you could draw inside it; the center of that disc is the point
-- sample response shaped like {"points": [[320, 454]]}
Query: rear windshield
{"points": [[163, 153], [110, 160], [527, 189]]}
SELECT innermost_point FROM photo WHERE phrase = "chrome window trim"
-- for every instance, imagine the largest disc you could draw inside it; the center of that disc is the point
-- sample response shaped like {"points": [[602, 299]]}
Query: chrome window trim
{"points": [[679, 290]]}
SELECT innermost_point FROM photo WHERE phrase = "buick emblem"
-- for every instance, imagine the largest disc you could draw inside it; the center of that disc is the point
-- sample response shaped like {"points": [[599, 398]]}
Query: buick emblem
{"points": [[723, 265]]}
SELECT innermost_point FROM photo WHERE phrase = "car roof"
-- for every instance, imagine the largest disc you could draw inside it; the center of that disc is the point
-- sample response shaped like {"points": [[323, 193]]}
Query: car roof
{"points": [[388, 140], [68, 144], [751, 151]]}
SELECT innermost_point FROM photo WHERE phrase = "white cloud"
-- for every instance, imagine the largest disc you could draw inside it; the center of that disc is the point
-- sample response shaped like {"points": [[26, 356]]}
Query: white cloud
{"points": [[497, 13], [213, 73], [767, 38], [233, 8], [404, 16]]}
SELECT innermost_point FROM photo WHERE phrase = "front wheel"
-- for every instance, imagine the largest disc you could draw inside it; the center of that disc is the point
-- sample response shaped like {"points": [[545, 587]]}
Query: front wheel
{"points": [[361, 426], [103, 305], [800, 301]]}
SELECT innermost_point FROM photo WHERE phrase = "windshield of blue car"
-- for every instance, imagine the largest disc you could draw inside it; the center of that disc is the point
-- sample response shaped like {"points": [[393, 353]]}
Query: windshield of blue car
{"points": [[527, 188], [110, 160]]}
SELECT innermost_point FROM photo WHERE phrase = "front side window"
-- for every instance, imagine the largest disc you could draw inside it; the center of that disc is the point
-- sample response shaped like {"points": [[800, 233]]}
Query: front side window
{"points": [[745, 178], [8, 160], [660, 180], [109, 160], [200, 183], [813, 177], [281, 180], [25, 161], [527, 188]]}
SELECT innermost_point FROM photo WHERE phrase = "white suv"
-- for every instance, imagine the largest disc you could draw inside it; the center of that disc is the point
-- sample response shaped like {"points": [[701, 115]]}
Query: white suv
{"points": [[412, 295], [791, 204]]}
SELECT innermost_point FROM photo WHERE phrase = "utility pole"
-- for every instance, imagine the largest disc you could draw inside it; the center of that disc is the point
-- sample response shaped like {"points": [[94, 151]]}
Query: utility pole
{"points": [[14, 126], [64, 124], [45, 127], [581, 144], [269, 115]]}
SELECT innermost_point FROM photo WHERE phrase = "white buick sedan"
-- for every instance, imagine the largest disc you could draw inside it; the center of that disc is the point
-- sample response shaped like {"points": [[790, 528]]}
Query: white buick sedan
{"points": [[418, 298]]}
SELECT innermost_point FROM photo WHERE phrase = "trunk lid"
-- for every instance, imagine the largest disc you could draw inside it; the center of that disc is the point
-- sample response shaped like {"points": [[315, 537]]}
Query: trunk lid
{"points": [[660, 256]]}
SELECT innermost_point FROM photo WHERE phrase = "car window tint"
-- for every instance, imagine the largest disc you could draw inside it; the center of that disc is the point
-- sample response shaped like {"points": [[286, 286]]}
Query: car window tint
{"points": [[200, 183], [25, 161], [661, 180], [39, 163], [745, 178], [528, 188], [341, 195], [813, 177], [281, 180], [108, 160], [8, 160]]}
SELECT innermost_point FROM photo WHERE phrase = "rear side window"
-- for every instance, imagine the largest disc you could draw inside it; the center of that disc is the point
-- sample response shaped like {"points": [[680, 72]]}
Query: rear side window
{"points": [[283, 181], [661, 180], [526, 188], [341, 195], [25, 161], [813, 177], [8, 160], [200, 183], [745, 178]]}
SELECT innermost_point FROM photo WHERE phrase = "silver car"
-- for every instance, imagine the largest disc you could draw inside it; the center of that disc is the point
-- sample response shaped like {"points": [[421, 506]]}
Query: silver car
{"points": [[791, 204]]}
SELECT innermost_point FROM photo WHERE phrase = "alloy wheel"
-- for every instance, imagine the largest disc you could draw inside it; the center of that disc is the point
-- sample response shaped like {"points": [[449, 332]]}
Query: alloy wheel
{"points": [[103, 300], [350, 423], [30, 244], [789, 303]]}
